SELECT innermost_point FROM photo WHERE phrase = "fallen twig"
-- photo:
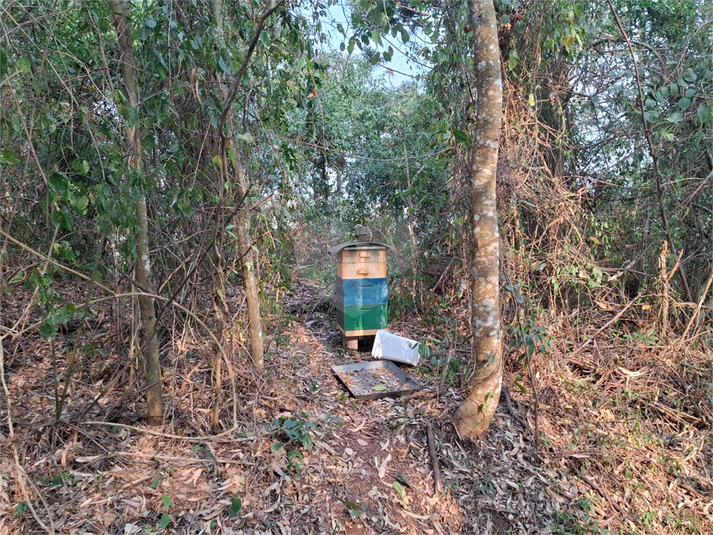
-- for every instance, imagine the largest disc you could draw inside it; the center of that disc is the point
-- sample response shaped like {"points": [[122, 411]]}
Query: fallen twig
{"points": [[437, 481], [168, 435]]}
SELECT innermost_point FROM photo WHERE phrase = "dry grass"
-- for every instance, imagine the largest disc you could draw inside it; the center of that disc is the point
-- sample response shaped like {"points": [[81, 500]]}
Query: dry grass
{"points": [[632, 421]]}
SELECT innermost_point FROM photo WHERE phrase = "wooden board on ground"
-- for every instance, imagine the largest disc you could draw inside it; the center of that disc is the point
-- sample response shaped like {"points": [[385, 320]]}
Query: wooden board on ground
{"points": [[374, 380]]}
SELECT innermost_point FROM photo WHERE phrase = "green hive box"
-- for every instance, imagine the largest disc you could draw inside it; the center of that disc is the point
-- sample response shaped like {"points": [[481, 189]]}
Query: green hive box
{"points": [[362, 318]]}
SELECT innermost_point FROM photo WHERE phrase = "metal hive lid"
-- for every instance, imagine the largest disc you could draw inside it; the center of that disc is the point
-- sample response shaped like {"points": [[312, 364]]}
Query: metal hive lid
{"points": [[333, 251]]}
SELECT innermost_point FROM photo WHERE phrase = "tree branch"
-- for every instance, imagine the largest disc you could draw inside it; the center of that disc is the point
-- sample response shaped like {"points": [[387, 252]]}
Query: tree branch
{"points": [[652, 152], [246, 61]]}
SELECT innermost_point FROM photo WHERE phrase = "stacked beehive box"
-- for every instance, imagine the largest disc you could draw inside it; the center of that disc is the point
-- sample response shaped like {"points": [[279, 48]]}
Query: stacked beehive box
{"points": [[362, 290]]}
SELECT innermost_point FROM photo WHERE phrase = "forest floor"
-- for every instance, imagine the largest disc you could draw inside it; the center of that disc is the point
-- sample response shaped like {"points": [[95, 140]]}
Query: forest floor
{"points": [[624, 442]]}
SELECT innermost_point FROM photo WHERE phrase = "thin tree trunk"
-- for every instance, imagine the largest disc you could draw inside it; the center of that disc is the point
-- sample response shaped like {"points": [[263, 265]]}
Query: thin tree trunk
{"points": [[247, 261], [475, 414], [411, 233], [154, 403], [218, 303], [247, 255]]}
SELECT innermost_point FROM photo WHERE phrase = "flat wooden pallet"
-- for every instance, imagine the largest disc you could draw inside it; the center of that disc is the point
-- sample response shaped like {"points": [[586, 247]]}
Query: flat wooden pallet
{"points": [[374, 380]]}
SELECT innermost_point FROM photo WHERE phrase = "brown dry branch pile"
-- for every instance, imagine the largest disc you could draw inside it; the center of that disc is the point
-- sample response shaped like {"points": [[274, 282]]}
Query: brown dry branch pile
{"points": [[625, 444]]}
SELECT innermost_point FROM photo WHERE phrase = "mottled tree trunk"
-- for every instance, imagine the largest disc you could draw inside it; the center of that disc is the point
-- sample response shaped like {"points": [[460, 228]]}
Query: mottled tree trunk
{"points": [[154, 403], [473, 417]]}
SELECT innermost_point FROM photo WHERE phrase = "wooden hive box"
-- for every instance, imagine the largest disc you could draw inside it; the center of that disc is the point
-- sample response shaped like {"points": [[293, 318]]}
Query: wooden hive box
{"points": [[362, 293]]}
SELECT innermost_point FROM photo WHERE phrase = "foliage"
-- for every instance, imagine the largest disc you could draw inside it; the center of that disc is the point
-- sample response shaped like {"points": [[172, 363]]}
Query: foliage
{"points": [[235, 506], [294, 432], [567, 524], [295, 435]]}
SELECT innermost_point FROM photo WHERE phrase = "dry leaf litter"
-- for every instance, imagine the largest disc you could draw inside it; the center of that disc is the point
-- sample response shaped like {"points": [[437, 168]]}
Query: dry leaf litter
{"points": [[308, 459]]}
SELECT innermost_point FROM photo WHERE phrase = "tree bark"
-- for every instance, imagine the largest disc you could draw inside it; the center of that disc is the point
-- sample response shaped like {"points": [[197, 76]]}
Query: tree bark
{"points": [[154, 403], [247, 261], [473, 417]]}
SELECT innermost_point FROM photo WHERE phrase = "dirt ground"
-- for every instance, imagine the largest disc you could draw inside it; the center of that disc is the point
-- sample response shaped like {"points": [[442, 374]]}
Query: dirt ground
{"points": [[295, 454]]}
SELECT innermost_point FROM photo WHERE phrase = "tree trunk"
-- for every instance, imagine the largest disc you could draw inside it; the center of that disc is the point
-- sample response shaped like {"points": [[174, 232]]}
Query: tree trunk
{"points": [[475, 414], [246, 252], [154, 403], [247, 261]]}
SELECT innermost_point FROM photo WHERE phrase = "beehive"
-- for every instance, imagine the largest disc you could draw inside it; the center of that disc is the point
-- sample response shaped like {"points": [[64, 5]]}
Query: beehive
{"points": [[362, 293]]}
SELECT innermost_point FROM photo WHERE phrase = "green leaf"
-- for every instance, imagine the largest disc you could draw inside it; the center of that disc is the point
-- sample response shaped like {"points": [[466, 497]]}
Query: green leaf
{"points": [[350, 46], [10, 156], [400, 490], [148, 141], [513, 59], [166, 501], [461, 136], [690, 76], [48, 330], [675, 117], [80, 166], [690, 92], [705, 113], [684, 103], [156, 480], [531, 99], [223, 65], [3, 64], [353, 506], [20, 509], [232, 156], [379, 388], [165, 520], [265, 39], [61, 219], [24, 64], [376, 37], [235, 506], [150, 23], [673, 89]]}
